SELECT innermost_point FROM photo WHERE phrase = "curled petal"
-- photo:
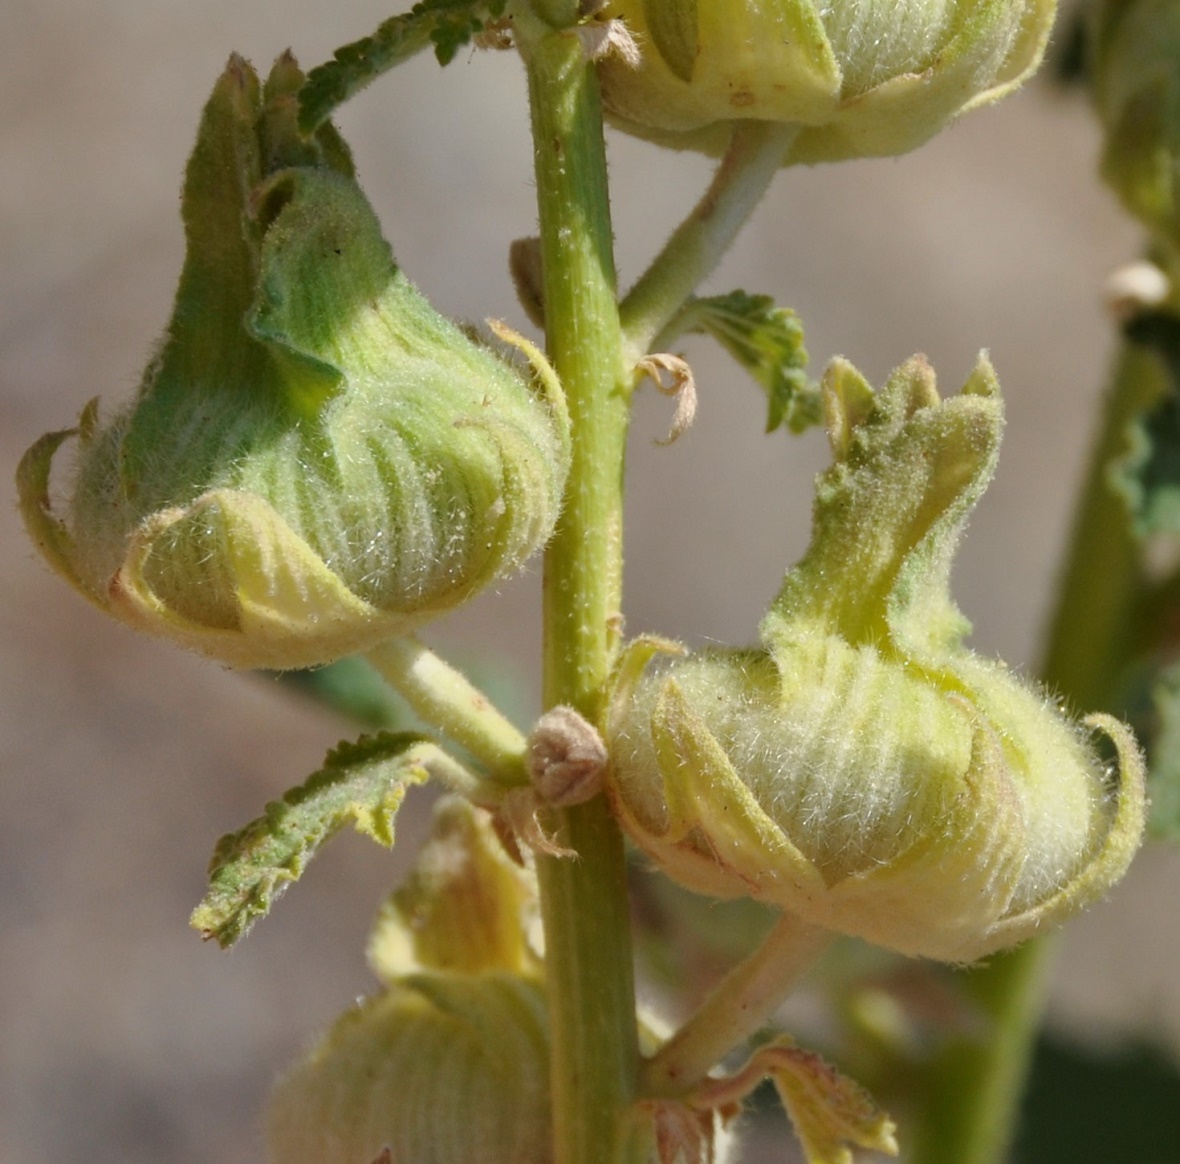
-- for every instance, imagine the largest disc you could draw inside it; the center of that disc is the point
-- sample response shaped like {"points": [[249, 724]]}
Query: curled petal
{"points": [[830, 1112], [680, 384], [1110, 860]]}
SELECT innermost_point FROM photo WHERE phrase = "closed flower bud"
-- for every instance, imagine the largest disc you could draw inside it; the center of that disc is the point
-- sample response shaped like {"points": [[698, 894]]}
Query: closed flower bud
{"points": [[316, 459], [467, 907], [862, 769], [449, 1064], [858, 77], [1134, 47], [439, 1068]]}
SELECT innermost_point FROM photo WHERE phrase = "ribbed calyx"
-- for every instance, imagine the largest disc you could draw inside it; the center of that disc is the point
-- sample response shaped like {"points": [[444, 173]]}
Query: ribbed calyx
{"points": [[858, 77], [442, 1069], [316, 459], [862, 768], [449, 1062]]}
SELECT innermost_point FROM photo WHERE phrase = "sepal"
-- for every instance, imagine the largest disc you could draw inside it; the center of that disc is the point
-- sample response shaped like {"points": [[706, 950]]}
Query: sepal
{"points": [[363, 783], [908, 469]]}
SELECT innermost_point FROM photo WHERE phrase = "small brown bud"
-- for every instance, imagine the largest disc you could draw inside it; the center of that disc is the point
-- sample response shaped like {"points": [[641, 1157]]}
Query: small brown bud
{"points": [[566, 758]]}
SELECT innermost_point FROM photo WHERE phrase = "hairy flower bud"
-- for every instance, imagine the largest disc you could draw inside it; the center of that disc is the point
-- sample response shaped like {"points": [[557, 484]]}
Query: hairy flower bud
{"points": [[316, 460], [859, 77], [440, 1068], [467, 907], [863, 769], [449, 1064], [1134, 47]]}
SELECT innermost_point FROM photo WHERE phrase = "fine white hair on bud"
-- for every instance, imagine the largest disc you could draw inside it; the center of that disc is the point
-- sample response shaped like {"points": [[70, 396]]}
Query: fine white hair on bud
{"points": [[316, 460], [857, 77], [861, 768], [439, 1068]]}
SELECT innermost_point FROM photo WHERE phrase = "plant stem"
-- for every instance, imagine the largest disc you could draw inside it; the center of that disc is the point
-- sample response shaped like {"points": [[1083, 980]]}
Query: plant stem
{"points": [[584, 906], [742, 1003], [755, 154], [1102, 584], [971, 1106], [444, 698]]}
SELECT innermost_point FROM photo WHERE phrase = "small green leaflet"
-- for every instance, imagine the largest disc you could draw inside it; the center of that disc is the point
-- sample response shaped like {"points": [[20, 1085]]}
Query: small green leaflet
{"points": [[363, 782], [447, 24], [1148, 474], [768, 342]]}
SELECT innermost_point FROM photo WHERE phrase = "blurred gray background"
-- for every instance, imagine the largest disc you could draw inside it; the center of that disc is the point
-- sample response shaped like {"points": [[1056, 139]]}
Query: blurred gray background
{"points": [[122, 1038]]}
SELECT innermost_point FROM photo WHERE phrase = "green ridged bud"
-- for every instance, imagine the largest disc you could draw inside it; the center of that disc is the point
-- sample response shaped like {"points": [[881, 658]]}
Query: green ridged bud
{"points": [[439, 1068], [863, 769], [1135, 45], [467, 907], [860, 78], [316, 459], [449, 1064]]}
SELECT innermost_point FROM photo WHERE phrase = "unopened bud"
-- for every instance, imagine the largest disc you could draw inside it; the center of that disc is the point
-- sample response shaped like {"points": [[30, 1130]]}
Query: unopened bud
{"points": [[467, 906], [858, 77], [566, 758], [1133, 51], [862, 769], [316, 459], [439, 1068]]}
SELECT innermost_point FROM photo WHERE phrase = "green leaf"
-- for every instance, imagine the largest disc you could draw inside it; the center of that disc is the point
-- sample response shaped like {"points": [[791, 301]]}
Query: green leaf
{"points": [[447, 24], [767, 341], [363, 782], [1148, 474]]}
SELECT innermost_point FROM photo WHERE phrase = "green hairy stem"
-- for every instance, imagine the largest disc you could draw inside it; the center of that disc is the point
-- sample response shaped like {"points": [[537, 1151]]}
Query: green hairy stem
{"points": [[584, 900]]}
